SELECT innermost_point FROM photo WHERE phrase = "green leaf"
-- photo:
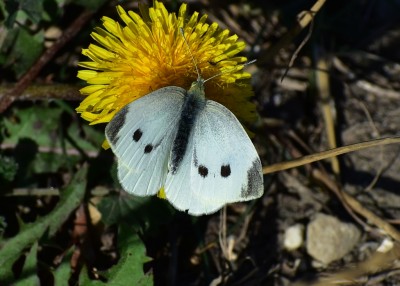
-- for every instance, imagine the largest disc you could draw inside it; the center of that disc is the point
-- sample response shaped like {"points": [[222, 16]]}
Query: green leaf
{"points": [[42, 124], [145, 213], [56, 147], [8, 39], [25, 153], [11, 7], [29, 273], [8, 168], [21, 9], [52, 162], [142, 213], [39, 123], [70, 200], [25, 49], [33, 8], [86, 137], [129, 270], [63, 271], [116, 207], [3, 225]]}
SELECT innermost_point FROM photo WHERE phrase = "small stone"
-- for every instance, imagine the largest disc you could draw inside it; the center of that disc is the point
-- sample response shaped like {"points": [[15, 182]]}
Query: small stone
{"points": [[329, 239], [386, 245], [293, 238]]}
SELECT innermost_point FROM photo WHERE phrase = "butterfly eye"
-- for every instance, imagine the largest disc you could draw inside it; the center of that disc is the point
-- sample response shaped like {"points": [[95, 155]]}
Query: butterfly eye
{"points": [[203, 171], [137, 135], [225, 170]]}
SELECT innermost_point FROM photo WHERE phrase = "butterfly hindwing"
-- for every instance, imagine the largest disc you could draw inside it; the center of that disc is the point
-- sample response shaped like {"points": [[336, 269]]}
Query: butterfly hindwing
{"points": [[221, 165], [141, 136]]}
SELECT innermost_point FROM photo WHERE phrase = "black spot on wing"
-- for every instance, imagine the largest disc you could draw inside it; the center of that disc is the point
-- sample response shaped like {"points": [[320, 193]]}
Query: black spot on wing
{"points": [[115, 125], [148, 148], [151, 147], [225, 171], [254, 186], [137, 135], [203, 171]]}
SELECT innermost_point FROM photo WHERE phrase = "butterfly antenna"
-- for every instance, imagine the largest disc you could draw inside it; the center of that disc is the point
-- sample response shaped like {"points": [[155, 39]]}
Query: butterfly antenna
{"points": [[190, 52], [229, 70]]}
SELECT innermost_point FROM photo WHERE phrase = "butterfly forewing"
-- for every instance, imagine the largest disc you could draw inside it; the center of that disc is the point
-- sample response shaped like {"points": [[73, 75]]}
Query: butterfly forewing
{"points": [[221, 165], [141, 136]]}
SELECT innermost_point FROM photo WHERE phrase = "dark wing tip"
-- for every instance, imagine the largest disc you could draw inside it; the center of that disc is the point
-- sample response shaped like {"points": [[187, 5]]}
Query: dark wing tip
{"points": [[254, 186], [115, 125]]}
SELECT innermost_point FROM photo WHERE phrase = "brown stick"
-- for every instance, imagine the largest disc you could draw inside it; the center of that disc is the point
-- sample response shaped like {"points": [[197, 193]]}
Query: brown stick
{"points": [[45, 91], [32, 73], [329, 154]]}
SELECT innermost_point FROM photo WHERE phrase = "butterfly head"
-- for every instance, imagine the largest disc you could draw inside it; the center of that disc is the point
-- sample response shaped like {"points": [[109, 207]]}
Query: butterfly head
{"points": [[197, 86]]}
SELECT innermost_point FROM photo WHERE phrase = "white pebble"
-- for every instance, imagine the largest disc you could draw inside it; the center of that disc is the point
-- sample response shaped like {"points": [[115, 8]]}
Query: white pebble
{"points": [[293, 237]]}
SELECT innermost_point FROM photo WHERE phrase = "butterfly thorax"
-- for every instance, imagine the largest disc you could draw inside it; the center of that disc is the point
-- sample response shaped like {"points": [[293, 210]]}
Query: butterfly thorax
{"points": [[194, 102]]}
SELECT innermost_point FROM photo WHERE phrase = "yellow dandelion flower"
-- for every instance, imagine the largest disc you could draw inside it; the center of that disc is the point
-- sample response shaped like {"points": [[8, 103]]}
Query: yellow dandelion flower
{"points": [[147, 53]]}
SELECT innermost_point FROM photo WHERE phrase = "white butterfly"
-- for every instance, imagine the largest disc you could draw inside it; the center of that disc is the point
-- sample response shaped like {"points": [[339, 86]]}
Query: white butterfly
{"points": [[193, 147]]}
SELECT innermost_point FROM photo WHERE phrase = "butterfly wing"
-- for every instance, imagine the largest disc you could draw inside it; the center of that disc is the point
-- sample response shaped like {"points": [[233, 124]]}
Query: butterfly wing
{"points": [[221, 165], [141, 137]]}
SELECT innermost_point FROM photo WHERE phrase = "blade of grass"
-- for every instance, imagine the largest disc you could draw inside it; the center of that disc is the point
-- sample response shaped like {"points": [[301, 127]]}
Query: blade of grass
{"points": [[326, 105]]}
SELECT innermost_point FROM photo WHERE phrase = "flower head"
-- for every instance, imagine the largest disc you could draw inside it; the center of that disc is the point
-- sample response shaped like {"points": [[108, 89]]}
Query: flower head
{"points": [[149, 52]]}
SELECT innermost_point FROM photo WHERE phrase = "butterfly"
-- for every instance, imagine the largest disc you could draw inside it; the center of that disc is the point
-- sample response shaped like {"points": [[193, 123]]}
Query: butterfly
{"points": [[192, 147]]}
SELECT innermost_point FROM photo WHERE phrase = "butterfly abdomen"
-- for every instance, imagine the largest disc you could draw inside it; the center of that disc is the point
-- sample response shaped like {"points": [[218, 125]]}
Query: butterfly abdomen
{"points": [[193, 104]]}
